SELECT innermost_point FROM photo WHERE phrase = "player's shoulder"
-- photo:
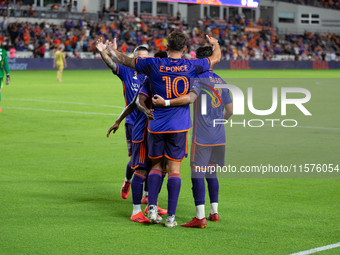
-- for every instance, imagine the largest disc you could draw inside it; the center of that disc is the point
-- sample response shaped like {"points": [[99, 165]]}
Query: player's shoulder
{"points": [[205, 74], [197, 60], [126, 69], [148, 60]]}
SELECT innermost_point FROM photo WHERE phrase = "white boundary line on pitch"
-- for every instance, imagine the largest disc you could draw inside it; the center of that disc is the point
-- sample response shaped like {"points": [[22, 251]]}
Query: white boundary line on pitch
{"points": [[322, 248], [99, 113], [62, 102], [307, 127], [49, 110]]}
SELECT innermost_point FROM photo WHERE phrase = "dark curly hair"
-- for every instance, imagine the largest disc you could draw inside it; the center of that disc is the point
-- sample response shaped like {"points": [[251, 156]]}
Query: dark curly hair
{"points": [[176, 41], [204, 52], [161, 54]]}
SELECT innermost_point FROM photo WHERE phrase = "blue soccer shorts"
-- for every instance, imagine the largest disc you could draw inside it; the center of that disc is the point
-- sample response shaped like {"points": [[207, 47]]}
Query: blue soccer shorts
{"points": [[173, 146]]}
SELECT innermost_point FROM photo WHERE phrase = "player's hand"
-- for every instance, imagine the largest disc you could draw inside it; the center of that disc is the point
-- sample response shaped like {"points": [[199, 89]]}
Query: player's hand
{"points": [[212, 40], [158, 101], [112, 45], [8, 79], [113, 128], [100, 45], [149, 114]]}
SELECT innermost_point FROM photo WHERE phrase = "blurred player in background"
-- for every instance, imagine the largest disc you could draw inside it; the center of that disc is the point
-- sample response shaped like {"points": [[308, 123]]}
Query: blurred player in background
{"points": [[3, 64], [59, 59], [131, 82], [168, 132], [208, 142]]}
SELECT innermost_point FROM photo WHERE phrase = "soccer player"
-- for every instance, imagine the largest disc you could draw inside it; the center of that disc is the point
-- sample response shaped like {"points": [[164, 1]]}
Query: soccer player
{"points": [[140, 161], [208, 142], [3, 64], [131, 82], [59, 59], [167, 136]]}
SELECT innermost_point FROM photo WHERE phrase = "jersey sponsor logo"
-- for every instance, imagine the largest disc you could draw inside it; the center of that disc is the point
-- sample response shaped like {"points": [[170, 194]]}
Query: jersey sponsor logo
{"points": [[134, 87]]}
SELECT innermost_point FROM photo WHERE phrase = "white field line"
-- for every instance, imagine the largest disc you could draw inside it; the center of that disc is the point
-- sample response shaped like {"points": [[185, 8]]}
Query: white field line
{"points": [[120, 107], [322, 248], [49, 110], [62, 102], [327, 128]]}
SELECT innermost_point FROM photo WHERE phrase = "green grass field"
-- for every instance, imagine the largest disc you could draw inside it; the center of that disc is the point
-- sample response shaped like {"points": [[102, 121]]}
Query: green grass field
{"points": [[60, 177]]}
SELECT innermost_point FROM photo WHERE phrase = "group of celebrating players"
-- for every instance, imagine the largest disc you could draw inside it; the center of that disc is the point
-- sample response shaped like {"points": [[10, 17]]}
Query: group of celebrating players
{"points": [[162, 88]]}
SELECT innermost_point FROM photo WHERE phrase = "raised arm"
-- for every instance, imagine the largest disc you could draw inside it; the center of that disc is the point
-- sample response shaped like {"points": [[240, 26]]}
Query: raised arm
{"points": [[102, 48], [119, 57], [216, 55], [189, 98], [128, 110]]}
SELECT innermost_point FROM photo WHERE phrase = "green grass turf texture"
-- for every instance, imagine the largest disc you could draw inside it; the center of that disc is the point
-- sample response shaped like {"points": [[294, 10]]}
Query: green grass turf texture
{"points": [[60, 177]]}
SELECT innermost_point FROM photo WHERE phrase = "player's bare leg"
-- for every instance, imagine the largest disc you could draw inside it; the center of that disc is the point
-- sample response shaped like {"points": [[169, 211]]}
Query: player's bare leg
{"points": [[60, 75]]}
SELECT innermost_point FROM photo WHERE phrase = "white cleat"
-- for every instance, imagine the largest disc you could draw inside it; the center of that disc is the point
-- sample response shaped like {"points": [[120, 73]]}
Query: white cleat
{"points": [[170, 221], [159, 219], [153, 214]]}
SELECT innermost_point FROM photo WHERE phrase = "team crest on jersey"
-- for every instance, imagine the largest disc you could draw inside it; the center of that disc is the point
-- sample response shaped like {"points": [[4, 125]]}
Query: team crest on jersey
{"points": [[135, 76]]}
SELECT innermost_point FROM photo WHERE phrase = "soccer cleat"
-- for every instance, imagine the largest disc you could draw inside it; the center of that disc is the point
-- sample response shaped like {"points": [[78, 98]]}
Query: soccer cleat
{"points": [[170, 221], [140, 218], [152, 213], [159, 219], [214, 217], [145, 200], [196, 223], [159, 210], [125, 190]]}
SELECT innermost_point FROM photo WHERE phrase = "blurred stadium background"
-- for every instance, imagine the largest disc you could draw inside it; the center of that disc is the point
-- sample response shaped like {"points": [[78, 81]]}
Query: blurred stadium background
{"points": [[246, 29], [60, 176]]}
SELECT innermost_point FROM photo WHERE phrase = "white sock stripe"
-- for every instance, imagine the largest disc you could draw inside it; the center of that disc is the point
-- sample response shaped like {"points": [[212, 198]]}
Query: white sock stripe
{"points": [[214, 208], [200, 214]]}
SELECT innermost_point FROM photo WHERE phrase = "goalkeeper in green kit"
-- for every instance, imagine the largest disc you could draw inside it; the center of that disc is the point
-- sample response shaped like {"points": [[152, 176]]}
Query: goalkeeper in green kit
{"points": [[3, 63]]}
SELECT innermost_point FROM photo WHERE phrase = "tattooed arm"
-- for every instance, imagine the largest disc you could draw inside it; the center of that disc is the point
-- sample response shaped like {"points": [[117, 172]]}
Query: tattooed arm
{"points": [[119, 57], [102, 48], [108, 61]]}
